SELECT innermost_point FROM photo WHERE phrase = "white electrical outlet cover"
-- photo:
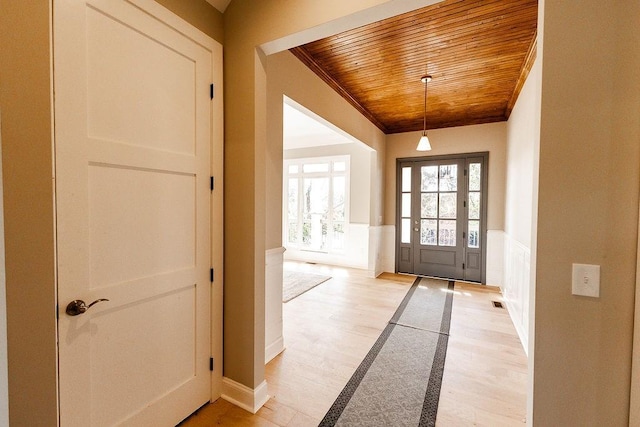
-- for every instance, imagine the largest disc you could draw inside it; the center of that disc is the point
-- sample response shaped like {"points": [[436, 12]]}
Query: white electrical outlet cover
{"points": [[585, 280]]}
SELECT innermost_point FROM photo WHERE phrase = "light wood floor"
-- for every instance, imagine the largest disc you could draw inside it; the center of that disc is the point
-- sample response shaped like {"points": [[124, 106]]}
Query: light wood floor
{"points": [[329, 330]]}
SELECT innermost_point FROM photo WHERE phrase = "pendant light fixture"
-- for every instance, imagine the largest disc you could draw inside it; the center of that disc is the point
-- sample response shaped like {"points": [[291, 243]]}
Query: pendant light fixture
{"points": [[424, 144]]}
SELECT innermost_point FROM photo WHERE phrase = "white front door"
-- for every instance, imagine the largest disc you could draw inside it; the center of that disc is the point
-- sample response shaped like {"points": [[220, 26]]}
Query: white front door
{"points": [[132, 160]]}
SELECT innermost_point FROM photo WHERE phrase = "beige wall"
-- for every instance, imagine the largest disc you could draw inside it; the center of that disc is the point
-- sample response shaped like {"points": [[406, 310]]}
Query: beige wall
{"points": [[587, 210], [301, 85], [27, 163], [25, 100], [522, 146], [626, 126], [200, 14], [250, 155], [288, 76], [466, 139], [520, 203]]}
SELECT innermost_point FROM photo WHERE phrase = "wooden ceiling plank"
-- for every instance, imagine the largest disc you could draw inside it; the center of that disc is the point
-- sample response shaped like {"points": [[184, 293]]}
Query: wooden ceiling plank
{"points": [[302, 55], [427, 41], [443, 16], [476, 49], [448, 61], [423, 50], [433, 27]]}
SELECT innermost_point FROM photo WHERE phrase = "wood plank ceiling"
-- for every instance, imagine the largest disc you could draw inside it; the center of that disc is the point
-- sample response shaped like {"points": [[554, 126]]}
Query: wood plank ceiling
{"points": [[479, 53]]}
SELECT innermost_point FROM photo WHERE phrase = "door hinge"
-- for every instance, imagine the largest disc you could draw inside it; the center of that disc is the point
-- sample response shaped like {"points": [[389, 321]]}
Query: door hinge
{"points": [[211, 364], [211, 91], [465, 203], [212, 183], [463, 265], [465, 172], [211, 275], [464, 235]]}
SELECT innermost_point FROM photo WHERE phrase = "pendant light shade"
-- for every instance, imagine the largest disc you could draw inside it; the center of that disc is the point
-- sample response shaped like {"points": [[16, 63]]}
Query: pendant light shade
{"points": [[424, 144]]}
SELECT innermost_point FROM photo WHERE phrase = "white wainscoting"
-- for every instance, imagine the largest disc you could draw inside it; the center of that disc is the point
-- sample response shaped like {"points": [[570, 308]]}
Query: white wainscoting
{"points": [[375, 251], [388, 249], [516, 286], [367, 247], [381, 253], [274, 342], [495, 254], [495, 257], [356, 254]]}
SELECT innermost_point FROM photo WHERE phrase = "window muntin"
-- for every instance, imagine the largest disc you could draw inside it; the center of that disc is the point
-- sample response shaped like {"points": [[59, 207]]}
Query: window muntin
{"points": [[475, 197], [317, 203], [439, 205], [405, 213]]}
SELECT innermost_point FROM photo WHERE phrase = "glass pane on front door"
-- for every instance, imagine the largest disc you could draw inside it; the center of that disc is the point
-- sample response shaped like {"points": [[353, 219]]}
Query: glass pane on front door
{"points": [[447, 234], [406, 180], [429, 178], [474, 205], [405, 207], [405, 232], [448, 202], [474, 176], [429, 206], [474, 234], [449, 178], [429, 228], [439, 205]]}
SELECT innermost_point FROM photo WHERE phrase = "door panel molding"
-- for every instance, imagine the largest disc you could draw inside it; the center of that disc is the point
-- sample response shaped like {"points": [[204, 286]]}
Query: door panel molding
{"points": [[140, 200]]}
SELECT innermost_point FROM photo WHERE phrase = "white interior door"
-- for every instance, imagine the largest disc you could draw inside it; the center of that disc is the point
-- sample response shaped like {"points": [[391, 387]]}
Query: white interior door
{"points": [[132, 152]]}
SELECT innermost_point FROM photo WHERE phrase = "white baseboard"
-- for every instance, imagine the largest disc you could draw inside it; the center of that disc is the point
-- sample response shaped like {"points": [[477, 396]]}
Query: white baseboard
{"points": [[244, 397], [273, 349]]}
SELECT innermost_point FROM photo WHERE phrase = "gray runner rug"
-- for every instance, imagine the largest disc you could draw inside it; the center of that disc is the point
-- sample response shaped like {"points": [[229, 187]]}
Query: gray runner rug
{"points": [[398, 382]]}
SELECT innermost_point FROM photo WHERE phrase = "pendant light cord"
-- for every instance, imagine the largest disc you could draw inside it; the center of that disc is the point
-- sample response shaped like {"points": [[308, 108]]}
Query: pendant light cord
{"points": [[424, 124]]}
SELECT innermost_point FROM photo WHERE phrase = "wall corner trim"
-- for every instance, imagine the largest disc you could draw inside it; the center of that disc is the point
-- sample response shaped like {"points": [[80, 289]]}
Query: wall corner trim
{"points": [[244, 397]]}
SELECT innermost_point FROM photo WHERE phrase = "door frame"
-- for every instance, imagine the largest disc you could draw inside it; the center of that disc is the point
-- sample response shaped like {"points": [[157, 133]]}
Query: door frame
{"points": [[217, 173], [484, 199], [217, 217]]}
